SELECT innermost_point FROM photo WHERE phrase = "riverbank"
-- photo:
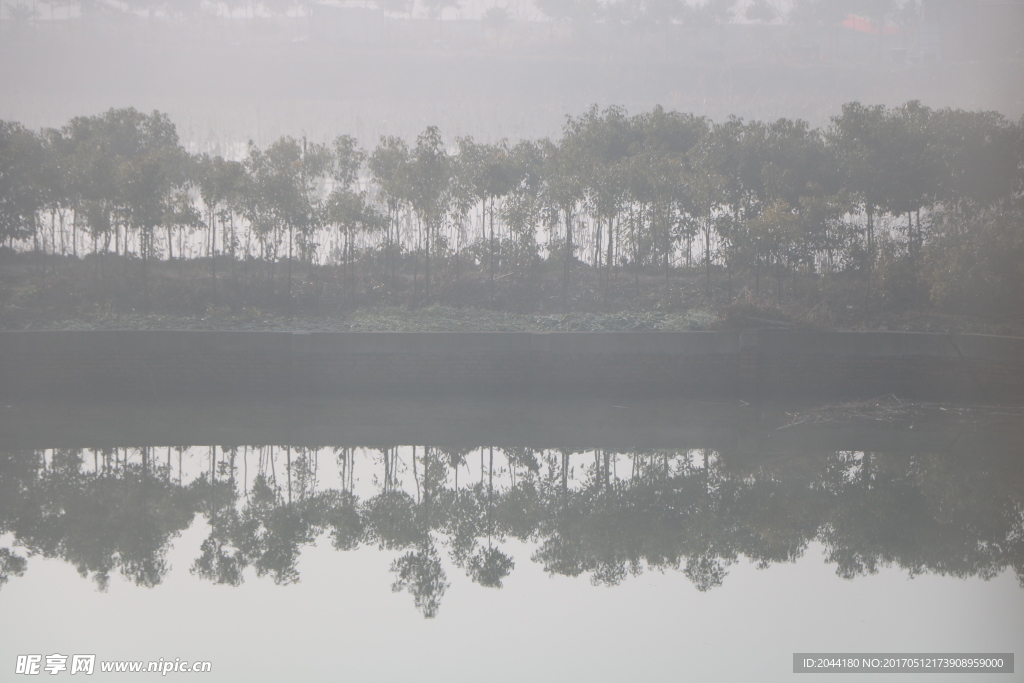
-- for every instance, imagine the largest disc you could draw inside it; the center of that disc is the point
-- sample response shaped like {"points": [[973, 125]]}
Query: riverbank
{"points": [[390, 319], [75, 297], [449, 319]]}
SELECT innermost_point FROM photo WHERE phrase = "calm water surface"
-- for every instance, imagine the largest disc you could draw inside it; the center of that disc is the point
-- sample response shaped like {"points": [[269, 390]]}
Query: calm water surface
{"points": [[502, 540]]}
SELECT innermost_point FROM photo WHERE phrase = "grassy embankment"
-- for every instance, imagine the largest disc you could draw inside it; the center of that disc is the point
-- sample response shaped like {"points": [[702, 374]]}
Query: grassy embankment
{"points": [[106, 292]]}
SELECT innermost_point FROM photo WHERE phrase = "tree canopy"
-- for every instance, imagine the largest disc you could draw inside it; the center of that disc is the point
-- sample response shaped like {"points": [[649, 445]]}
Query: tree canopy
{"points": [[879, 191]]}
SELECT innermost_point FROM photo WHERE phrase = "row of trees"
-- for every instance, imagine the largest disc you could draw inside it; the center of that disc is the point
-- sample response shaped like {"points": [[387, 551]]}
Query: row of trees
{"points": [[822, 13], [600, 513], [707, 13], [655, 192]]}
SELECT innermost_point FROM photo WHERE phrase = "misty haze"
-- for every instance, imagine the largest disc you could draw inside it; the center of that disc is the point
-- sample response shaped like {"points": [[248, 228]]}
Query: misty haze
{"points": [[478, 340]]}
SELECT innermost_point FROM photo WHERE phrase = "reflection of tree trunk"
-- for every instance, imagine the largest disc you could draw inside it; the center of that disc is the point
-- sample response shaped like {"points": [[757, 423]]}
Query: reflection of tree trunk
{"points": [[415, 475], [213, 486], [490, 497], [707, 483], [426, 486], [565, 474]]}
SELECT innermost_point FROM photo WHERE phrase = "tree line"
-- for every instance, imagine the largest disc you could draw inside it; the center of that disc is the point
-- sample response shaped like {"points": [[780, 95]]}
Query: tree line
{"points": [[909, 201], [707, 13], [604, 514]]}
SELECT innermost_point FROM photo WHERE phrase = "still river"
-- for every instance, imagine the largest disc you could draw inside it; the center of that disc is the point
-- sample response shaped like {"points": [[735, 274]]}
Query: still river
{"points": [[508, 540]]}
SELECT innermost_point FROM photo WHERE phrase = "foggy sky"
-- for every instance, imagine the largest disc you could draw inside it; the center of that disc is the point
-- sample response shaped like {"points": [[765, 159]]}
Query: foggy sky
{"points": [[224, 82]]}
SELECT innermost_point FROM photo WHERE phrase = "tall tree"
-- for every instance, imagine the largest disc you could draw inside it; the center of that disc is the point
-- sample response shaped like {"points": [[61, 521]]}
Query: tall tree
{"points": [[430, 177], [221, 185], [22, 193], [390, 166]]}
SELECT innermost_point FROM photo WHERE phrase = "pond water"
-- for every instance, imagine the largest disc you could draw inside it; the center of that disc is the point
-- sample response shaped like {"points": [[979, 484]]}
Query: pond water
{"points": [[508, 540]]}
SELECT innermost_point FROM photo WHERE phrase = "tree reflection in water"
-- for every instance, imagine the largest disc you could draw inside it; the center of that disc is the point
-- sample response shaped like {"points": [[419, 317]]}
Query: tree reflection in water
{"points": [[606, 514]]}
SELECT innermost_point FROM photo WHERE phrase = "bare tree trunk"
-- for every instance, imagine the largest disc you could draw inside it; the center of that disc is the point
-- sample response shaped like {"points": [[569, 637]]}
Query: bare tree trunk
{"points": [[870, 255], [415, 274], [351, 259], [213, 258], [492, 248], [568, 259], [636, 249], [609, 259], [288, 300], [707, 257], [145, 270], [426, 266], [668, 248]]}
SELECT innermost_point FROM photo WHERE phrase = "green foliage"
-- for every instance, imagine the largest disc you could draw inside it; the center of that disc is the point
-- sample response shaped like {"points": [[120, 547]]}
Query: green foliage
{"points": [[616, 199], [976, 264], [420, 573], [696, 512], [12, 564], [21, 181], [898, 283]]}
